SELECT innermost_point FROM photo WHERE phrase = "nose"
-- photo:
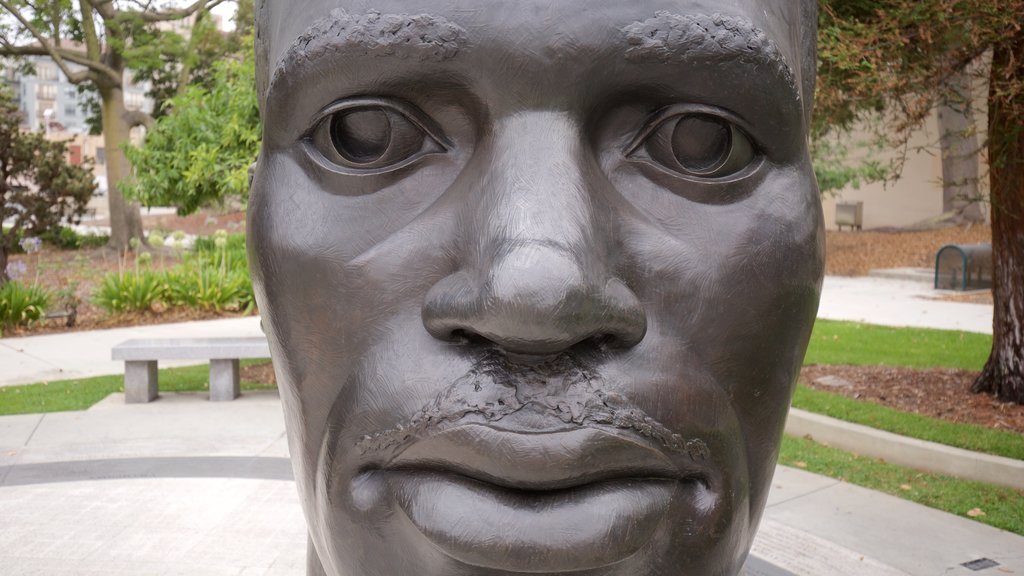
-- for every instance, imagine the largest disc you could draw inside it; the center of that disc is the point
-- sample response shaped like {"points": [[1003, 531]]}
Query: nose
{"points": [[538, 241]]}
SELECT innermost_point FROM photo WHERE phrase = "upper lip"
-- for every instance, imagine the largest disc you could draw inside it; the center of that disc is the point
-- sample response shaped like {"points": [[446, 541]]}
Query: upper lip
{"points": [[541, 461]]}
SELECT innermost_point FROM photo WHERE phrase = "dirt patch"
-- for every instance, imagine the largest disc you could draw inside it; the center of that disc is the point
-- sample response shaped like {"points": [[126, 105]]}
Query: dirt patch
{"points": [[938, 393], [259, 374], [978, 297], [81, 272], [199, 224], [857, 253]]}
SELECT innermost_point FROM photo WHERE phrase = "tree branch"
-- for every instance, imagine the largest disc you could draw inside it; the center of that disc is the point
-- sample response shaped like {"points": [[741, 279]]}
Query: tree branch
{"points": [[180, 13], [92, 68], [138, 118], [92, 42], [52, 52]]}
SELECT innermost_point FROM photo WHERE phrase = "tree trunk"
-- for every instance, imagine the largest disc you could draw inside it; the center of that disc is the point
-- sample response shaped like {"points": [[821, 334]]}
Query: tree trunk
{"points": [[1003, 374], [125, 218], [960, 149], [4, 278]]}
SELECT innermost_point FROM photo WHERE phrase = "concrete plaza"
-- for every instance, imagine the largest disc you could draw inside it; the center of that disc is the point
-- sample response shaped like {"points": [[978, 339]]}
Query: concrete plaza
{"points": [[184, 486]]}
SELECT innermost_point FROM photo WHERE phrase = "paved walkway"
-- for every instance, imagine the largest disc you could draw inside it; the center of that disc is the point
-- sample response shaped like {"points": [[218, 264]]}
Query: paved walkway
{"points": [[83, 354], [184, 486]]}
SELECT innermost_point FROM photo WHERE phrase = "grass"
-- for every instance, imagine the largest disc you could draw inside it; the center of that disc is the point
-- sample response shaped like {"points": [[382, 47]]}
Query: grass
{"points": [[966, 436], [860, 344], [834, 342], [80, 394], [993, 505]]}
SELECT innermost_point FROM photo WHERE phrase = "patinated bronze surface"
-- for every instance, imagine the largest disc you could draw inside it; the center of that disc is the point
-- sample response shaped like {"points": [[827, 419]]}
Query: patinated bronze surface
{"points": [[537, 276]]}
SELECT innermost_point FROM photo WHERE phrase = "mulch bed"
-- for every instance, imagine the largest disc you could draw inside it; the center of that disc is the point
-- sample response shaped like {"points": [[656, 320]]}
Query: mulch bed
{"points": [[84, 269], [938, 393], [857, 253]]}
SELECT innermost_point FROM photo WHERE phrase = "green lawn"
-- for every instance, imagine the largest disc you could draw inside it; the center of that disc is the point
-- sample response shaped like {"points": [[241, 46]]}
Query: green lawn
{"points": [[80, 394], [993, 505], [861, 344], [865, 345], [966, 436]]}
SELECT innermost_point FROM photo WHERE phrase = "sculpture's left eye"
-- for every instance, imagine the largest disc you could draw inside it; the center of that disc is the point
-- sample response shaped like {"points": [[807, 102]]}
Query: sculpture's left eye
{"points": [[694, 143], [371, 136]]}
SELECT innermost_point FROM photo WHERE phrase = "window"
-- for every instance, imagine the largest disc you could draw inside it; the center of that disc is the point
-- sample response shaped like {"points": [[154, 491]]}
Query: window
{"points": [[101, 156], [46, 91], [46, 72], [70, 110], [134, 100]]}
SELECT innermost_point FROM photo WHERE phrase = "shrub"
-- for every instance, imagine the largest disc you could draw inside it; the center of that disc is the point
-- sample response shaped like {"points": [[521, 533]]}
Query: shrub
{"points": [[67, 239], [22, 305], [137, 291], [215, 276]]}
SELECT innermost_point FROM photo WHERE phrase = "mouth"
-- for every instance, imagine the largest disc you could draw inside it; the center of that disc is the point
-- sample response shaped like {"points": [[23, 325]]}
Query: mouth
{"points": [[542, 502]]}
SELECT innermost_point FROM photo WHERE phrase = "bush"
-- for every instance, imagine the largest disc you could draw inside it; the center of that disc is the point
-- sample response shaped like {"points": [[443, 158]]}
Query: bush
{"points": [[67, 239], [215, 276], [200, 285], [137, 291], [22, 305]]}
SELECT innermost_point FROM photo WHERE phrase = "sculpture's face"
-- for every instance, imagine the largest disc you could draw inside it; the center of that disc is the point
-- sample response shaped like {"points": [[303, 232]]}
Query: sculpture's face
{"points": [[537, 276]]}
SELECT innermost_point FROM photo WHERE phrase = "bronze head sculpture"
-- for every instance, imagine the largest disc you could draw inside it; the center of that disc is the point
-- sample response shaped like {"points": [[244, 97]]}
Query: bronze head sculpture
{"points": [[538, 276]]}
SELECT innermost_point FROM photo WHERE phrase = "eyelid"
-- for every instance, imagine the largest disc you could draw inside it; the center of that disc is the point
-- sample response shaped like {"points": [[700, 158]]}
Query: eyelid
{"points": [[412, 113], [415, 117], [654, 122]]}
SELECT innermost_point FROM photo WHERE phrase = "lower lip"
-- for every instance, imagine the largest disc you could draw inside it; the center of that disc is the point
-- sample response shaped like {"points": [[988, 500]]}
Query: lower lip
{"points": [[581, 528]]}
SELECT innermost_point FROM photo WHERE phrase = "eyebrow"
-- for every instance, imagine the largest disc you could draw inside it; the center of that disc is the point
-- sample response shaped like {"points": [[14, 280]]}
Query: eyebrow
{"points": [[679, 39], [419, 37], [665, 38]]}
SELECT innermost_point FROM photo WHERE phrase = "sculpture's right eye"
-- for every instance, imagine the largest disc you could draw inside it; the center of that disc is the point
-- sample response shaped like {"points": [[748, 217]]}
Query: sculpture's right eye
{"points": [[368, 136]]}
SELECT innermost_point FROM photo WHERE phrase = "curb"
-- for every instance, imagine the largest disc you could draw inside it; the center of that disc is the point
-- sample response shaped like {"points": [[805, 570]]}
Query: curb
{"points": [[896, 449]]}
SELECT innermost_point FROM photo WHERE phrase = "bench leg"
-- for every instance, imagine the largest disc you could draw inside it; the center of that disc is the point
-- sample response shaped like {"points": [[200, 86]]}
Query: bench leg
{"points": [[140, 381], [224, 380]]}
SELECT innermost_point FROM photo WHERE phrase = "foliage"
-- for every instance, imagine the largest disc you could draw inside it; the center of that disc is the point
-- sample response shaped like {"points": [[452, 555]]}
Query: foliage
{"points": [[894, 60], [199, 154], [38, 188], [834, 342], [215, 276], [132, 291], [80, 394], [993, 505], [835, 170], [21, 305], [67, 239], [966, 436], [107, 38]]}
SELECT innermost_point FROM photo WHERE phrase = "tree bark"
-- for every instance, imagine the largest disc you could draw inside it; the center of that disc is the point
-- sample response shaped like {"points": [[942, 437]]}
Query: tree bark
{"points": [[4, 279], [125, 217], [959, 142], [1003, 374]]}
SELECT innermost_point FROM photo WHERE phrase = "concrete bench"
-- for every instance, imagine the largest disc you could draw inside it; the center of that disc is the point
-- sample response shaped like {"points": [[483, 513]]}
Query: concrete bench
{"points": [[141, 355]]}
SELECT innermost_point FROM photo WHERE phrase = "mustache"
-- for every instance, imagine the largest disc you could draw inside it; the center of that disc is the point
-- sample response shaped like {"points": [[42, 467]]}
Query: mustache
{"points": [[565, 389]]}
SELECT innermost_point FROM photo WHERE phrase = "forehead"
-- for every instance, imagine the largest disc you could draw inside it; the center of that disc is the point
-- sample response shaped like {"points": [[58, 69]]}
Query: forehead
{"points": [[536, 27]]}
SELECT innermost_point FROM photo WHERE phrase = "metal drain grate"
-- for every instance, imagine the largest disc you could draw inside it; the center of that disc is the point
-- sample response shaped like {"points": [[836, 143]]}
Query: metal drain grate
{"points": [[980, 564]]}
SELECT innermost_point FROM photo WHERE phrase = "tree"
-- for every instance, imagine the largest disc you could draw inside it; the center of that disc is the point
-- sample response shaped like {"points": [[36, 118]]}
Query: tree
{"points": [[38, 188], [200, 152], [93, 42], [896, 58]]}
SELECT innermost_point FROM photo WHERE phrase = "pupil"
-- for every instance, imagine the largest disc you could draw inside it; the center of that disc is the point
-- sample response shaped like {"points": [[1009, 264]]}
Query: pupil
{"points": [[361, 136], [701, 143]]}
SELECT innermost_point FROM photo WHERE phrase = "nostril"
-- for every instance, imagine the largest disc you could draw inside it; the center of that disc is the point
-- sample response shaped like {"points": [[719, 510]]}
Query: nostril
{"points": [[459, 335]]}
